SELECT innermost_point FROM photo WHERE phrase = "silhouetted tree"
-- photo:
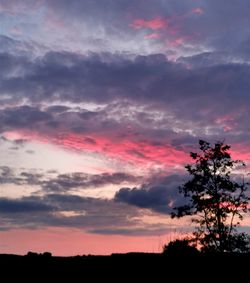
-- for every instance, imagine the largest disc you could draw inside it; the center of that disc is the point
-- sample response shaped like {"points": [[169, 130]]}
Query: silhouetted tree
{"points": [[180, 247], [217, 200]]}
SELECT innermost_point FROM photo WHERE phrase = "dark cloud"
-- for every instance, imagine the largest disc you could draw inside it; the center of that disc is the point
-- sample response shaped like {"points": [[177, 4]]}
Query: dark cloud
{"points": [[12, 64], [9, 175], [31, 178], [22, 48], [22, 117], [149, 79], [151, 82], [9, 206], [120, 216], [206, 59], [161, 197], [7, 43], [58, 109], [46, 121], [91, 214], [150, 230], [64, 182]]}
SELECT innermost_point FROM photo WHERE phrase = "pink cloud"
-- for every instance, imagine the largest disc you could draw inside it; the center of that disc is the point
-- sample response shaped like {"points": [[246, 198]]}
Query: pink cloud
{"points": [[154, 24], [128, 151], [139, 153], [142, 154], [228, 122], [176, 42], [153, 35], [198, 11], [241, 151]]}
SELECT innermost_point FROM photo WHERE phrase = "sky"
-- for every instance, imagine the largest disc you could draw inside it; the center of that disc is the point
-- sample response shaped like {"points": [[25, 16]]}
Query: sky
{"points": [[101, 102]]}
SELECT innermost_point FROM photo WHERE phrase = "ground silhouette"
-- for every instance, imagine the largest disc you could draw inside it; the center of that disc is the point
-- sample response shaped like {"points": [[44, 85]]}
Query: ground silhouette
{"points": [[120, 267]]}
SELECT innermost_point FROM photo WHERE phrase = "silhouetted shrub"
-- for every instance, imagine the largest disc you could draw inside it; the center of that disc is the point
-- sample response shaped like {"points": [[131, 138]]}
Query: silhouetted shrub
{"points": [[47, 254], [32, 254], [180, 247]]}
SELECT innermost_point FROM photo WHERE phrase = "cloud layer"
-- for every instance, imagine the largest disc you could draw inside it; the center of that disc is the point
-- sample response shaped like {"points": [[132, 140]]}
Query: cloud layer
{"points": [[134, 84]]}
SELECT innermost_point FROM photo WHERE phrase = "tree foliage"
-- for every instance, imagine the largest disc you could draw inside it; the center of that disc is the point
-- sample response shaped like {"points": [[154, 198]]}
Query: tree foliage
{"points": [[217, 199]]}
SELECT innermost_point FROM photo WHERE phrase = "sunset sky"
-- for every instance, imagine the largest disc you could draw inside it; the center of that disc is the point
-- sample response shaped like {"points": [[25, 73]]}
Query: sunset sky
{"points": [[101, 102]]}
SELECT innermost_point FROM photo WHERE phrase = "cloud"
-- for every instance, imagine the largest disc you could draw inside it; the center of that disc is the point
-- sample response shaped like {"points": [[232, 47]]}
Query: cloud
{"points": [[64, 182], [21, 47], [198, 11], [8, 206], [9, 175], [161, 197], [150, 230], [89, 25], [158, 102], [17, 6], [99, 78], [57, 207], [153, 24], [94, 215], [124, 17], [21, 117], [93, 131], [153, 35]]}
